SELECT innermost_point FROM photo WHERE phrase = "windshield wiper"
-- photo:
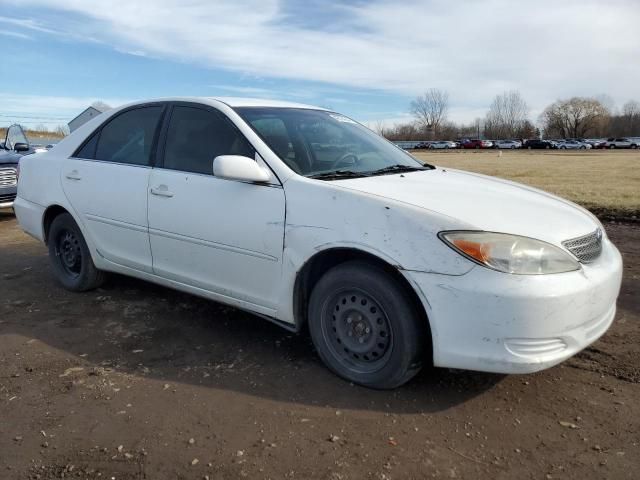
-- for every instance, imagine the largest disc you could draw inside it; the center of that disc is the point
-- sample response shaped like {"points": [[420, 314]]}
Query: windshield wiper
{"points": [[398, 169], [336, 174]]}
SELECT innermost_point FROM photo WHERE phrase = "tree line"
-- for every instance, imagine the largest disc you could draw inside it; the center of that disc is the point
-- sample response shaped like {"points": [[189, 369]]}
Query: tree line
{"points": [[508, 117]]}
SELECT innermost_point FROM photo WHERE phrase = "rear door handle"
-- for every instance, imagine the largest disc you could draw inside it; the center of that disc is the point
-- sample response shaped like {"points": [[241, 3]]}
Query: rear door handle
{"points": [[161, 191], [73, 175]]}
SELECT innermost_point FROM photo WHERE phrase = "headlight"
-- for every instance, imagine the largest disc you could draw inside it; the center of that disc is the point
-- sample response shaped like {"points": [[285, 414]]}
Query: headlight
{"points": [[511, 253]]}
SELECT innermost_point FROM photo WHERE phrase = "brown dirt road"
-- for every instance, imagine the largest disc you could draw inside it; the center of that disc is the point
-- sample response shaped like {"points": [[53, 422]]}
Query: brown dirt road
{"points": [[137, 381]]}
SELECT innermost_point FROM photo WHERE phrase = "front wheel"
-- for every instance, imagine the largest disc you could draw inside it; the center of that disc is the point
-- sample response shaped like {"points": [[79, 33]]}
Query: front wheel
{"points": [[365, 327], [70, 257]]}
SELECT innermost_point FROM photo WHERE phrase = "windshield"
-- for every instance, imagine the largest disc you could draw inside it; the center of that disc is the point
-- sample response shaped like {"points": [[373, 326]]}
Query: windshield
{"points": [[15, 134], [314, 143]]}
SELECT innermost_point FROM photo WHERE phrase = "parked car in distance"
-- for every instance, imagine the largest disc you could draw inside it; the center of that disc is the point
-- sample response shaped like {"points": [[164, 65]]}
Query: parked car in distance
{"points": [[14, 147], [621, 143], [311, 220], [422, 145], [476, 143], [573, 145], [442, 144], [596, 142], [507, 144], [539, 144]]}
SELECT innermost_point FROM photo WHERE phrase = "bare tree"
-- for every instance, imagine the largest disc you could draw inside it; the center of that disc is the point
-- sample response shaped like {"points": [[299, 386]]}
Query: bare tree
{"points": [[62, 130], [631, 109], [507, 116], [574, 118], [380, 128], [431, 109]]}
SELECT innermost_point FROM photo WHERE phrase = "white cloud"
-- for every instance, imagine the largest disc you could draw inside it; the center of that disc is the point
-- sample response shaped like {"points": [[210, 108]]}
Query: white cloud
{"points": [[9, 33], [546, 49], [31, 110]]}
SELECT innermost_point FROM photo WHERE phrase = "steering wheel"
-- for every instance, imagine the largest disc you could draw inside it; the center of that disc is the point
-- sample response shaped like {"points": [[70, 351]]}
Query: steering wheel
{"points": [[342, 161]]}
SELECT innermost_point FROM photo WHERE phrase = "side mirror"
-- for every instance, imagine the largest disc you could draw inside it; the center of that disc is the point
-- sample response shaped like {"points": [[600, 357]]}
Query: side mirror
{"points": [[237, 167], [21, 147]]}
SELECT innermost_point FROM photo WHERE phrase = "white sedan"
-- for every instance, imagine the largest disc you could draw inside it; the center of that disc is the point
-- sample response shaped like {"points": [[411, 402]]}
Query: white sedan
{"points": [[507, 144], [310, 220], [442, 145], [574, 145]]}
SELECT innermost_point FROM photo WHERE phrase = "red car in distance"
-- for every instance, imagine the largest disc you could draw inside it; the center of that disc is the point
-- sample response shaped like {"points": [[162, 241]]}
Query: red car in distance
{"points": [[476, 143]]}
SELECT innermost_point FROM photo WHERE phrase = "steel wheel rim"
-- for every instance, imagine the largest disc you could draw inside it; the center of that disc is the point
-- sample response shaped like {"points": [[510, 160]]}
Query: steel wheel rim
{"points": [[357, 330], [69, 252]]}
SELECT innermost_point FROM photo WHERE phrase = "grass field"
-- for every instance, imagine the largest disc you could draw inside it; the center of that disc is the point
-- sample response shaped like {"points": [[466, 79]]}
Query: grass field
{"points": [[607, 183]]}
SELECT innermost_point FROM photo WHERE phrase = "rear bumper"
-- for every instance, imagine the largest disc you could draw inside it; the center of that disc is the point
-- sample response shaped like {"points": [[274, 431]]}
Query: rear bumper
{"points": [[30, 217], [495, 322]]}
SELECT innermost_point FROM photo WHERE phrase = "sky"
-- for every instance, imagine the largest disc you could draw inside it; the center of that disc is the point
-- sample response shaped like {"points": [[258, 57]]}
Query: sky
{"points": [[366, 59]]}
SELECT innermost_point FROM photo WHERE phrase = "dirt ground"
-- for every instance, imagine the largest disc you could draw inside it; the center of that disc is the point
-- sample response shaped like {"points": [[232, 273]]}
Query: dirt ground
{"points": [[137, 381]]}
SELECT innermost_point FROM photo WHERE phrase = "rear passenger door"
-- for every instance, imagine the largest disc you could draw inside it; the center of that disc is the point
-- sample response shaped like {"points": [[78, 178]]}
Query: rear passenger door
{"points": [[106, 182], [223, 236]]}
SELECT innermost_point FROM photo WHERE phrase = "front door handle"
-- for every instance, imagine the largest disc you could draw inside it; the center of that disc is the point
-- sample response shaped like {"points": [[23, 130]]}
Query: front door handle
{"points": [[73, 175], [161, 191]]}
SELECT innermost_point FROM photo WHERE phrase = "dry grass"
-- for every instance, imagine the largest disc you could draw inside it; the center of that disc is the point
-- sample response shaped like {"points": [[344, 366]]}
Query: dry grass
{"points": [[605, 182]]}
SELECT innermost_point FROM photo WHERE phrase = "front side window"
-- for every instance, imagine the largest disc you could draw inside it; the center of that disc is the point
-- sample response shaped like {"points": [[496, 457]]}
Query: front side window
{"points": [[196, 136], [317, 142], [128, 138]]}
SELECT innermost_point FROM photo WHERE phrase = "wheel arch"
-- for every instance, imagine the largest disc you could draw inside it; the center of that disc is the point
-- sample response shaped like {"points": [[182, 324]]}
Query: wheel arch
{"points": [[316, 266], [49, 215]]}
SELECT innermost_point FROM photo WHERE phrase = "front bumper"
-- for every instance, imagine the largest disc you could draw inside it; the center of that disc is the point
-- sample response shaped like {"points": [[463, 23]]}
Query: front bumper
{"points": [[496, 322], [7, 197]]}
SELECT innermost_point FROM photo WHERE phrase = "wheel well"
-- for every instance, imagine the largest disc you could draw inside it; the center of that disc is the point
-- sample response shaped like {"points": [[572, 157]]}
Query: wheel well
{"points": [[322, 262], [50, 213]]}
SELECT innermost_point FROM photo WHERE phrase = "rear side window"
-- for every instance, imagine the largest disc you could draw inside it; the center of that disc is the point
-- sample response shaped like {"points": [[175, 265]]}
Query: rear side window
{"points": [[89, 149], [196, 136], [128, 138]]}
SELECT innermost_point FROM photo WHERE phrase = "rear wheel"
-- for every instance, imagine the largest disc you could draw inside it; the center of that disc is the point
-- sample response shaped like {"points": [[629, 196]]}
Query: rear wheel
{"points": [[70, 257], [612, 146], [365, 327]]}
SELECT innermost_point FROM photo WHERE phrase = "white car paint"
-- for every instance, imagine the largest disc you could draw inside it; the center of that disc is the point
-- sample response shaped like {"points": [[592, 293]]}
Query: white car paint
{"points": [[244, 244]]}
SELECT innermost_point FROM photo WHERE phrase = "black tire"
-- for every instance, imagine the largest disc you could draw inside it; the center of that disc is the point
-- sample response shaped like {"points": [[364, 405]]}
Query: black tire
{"points": [[612, 146], [70, 257], [365, 327], [634, 146]]}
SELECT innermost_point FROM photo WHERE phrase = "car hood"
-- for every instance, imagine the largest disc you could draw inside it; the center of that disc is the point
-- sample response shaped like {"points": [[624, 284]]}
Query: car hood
{"points": [[7, 156], [483, 203]]}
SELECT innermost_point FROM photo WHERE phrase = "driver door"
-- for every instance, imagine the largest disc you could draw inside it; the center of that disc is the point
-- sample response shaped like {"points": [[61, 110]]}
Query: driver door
{"points": [[223, 236]]}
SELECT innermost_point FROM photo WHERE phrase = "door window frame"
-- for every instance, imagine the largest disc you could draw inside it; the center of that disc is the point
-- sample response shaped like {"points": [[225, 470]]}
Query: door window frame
{"points": [[162, 143], [98, 131]]}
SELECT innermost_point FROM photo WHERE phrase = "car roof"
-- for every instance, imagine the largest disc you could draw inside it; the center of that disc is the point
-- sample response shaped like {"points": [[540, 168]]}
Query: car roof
{"points": [[233, 102]]}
